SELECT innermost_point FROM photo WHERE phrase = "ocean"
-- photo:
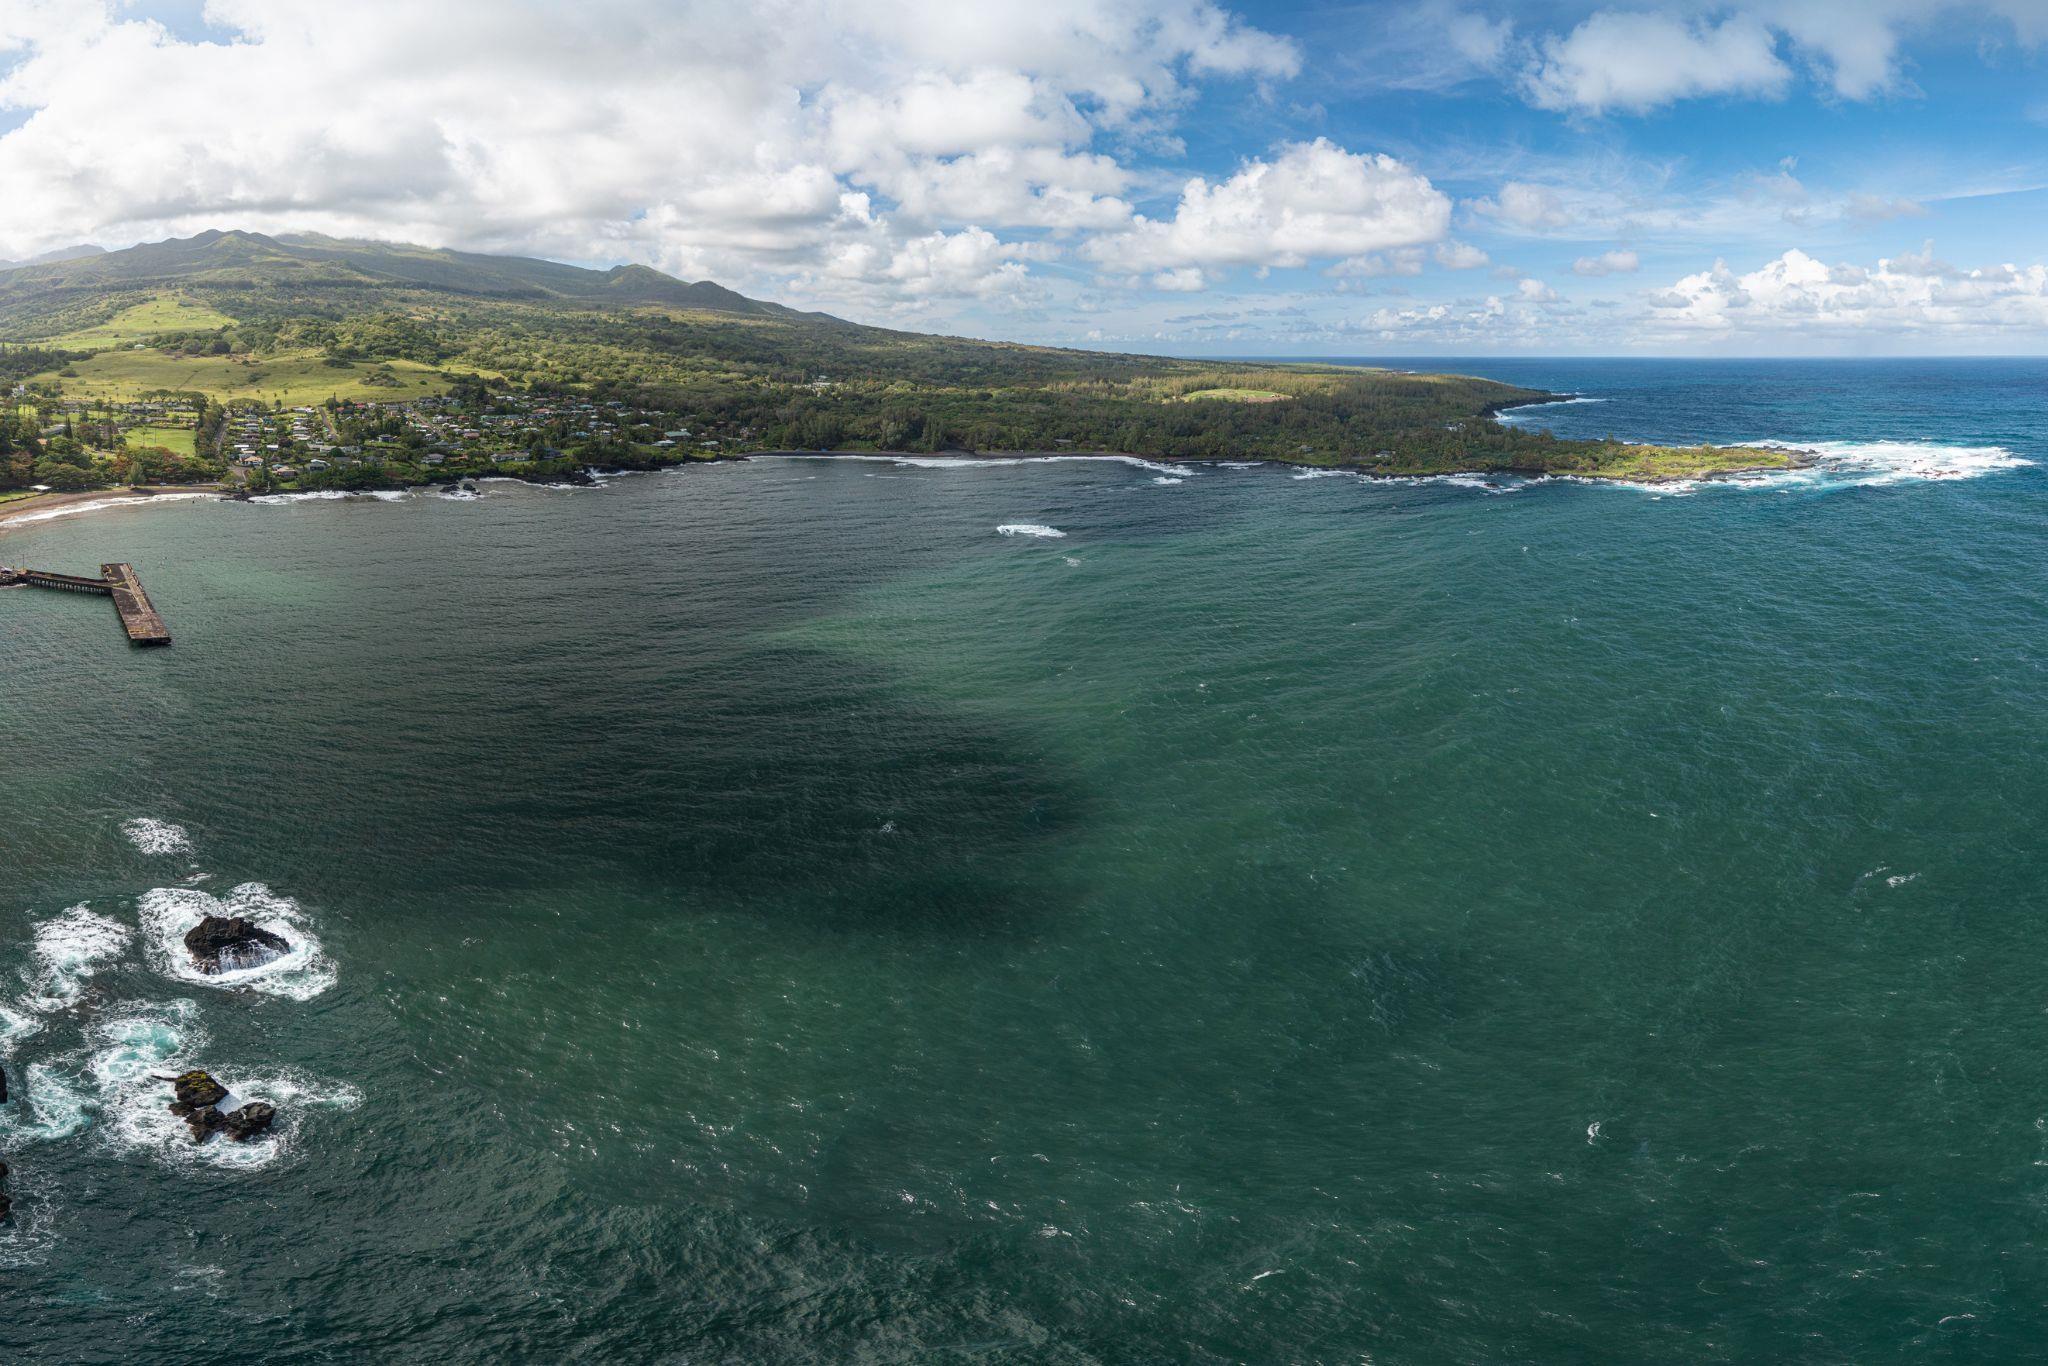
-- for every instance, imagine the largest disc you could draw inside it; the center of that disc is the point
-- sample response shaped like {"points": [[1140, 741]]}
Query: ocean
{"points": [[1078, 910]]}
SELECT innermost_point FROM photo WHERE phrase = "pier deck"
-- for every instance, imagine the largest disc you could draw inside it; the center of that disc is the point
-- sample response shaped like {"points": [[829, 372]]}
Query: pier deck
{"points": [[117, 581], [138, 615]]}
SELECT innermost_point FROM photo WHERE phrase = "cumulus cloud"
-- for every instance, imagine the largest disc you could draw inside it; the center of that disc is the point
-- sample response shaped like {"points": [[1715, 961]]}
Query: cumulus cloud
{"points": [[879, 141], [1460, 256], [1532, 208], [1651, 53], [1607, 263], [1910, 294], [1312, 201], [1636, 61]]}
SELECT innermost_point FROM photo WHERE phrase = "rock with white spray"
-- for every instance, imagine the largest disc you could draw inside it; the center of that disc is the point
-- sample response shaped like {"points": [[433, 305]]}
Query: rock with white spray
{"points": [[198, 1102], [232, 943]]}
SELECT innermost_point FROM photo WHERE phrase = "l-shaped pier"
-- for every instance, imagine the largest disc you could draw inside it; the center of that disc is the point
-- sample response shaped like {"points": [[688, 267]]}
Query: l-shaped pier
{"points": [[117, 581]]}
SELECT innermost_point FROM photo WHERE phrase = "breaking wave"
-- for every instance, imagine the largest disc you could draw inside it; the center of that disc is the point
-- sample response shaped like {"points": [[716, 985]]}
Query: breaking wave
{"points": [[51, 1105], [153, 836], [169, 912], [134, 1051], [69, 948], [100, 505], [966, 462], [1030, 529]]}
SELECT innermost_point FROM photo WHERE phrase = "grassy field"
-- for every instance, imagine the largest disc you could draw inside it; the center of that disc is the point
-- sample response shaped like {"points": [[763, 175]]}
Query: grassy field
{"points": [[287, 378], [1236, 396], [176, 439], [165, 313], [1682, 462]]}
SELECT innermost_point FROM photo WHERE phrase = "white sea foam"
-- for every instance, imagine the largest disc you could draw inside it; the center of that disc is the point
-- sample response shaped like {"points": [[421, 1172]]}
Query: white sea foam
{"points": [[16, 1023], [51, 1105], [1030, 529], [135, 1050], [459, 495], [153, 836], [968, 462], [69, 948], [559, 488], [1492, 484], [1168, 479], [1837, 464], [169, 912], [1890, 462]]}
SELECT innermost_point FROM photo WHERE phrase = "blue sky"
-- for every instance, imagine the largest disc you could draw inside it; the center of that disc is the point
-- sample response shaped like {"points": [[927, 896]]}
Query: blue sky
{"points": [[1440, 177]]}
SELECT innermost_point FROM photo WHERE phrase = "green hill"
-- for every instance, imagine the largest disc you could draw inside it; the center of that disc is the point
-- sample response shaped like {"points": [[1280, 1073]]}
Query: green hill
{"points": [[244, 317]]}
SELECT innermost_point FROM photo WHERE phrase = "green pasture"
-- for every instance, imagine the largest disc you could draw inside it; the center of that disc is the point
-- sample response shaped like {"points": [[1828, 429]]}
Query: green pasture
{"points": [[287, 378], [165, 313]]}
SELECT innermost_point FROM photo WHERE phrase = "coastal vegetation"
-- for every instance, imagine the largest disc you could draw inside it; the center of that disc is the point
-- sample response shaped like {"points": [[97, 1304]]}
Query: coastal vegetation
{"points": [[157, 337]]}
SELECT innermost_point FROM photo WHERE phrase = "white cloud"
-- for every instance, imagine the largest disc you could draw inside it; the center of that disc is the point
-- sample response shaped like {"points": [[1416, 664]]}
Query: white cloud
{"points": [[1531, 208], [1313, 201], [815, 139], [1460, 256], [1607, 263], [1909, 295], [1648, 53], [1535, 292], [1635, 61], [1184, 280]]}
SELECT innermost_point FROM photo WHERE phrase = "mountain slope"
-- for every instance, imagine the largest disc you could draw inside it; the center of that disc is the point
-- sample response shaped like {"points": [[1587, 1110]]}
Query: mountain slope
{"points": [[325, 273], [271, 322]]}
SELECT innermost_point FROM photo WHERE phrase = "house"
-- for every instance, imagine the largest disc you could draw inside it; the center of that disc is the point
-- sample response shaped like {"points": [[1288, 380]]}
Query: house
{"points": [[435, 458]]}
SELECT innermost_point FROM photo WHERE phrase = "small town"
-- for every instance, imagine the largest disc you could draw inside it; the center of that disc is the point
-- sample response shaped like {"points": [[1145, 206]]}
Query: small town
{"points": [[472, 432]]}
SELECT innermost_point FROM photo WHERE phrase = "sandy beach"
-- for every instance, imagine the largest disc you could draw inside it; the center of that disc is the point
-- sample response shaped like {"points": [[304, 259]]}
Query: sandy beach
{"points": [[45, 506]]}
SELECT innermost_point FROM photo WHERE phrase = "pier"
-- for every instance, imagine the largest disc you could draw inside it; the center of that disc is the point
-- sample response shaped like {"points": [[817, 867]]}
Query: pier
{"points": [[117, 581]]}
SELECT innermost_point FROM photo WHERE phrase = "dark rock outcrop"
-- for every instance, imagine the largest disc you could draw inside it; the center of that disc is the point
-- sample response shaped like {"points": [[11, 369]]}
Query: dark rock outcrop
{"points": [[250, 1121], [198, 1103], [196, 1091], [229, 944]]}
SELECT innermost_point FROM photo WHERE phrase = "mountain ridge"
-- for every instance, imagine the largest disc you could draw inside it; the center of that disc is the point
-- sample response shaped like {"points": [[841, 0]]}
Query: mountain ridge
{"points": [[231, 260]]}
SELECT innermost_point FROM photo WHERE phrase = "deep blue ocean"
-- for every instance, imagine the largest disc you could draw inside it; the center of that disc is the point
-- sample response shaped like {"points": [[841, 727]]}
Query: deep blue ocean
{"points": [[1074, 911]]}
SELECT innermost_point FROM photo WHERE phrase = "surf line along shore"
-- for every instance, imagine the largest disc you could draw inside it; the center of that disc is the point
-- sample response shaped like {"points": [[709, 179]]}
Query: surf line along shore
{"points": [[118, 581]]}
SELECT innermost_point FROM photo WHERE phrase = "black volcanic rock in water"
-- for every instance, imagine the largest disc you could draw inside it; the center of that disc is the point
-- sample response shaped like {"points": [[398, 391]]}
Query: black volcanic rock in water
{"points": [[196, 1091], [198, 1102], [250, 1121], [229, 944]]}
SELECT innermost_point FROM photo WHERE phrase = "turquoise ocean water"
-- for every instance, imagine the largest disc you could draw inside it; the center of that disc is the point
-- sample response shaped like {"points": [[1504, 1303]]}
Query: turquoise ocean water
{"points": [[769, 912]]}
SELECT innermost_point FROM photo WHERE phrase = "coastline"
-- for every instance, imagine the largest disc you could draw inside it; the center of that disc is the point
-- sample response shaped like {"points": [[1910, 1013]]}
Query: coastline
{"points": [[47, 506], [50, 506]]}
